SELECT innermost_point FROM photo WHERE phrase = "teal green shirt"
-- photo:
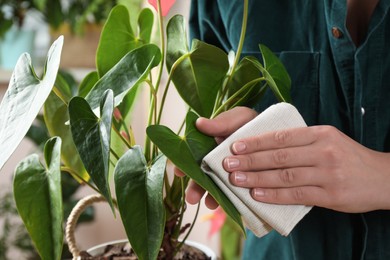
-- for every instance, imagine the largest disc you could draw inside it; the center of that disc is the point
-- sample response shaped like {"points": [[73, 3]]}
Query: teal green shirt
{"points": [[333, 82]]}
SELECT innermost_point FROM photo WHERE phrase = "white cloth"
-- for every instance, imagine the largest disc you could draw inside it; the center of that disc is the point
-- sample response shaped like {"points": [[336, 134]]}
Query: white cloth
{"points": [[259, 217]]}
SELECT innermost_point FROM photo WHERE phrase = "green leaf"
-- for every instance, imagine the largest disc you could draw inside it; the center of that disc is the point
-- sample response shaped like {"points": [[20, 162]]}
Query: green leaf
{"points": [[178, 151], [56, 116], [132, 69], [198, 76], [24, 98], [177, 41], [199, 143], [38, 199], [87, 83], [275, 74], [246, 75], [140, 201], [145, 25], [91, 136], [117, 39]]}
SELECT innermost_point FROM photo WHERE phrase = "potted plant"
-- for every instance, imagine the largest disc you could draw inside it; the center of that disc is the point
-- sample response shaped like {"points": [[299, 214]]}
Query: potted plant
{"points": [[92, 137]]}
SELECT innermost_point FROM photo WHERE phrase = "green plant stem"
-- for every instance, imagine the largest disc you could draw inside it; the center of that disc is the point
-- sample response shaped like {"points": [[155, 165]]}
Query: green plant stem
{"points": [[152, 114], [59, 95], [174, 67], [230, 99], [236, 58], [189, 231], [70, 171], [162, 39], [121, 137], [114, 154]]}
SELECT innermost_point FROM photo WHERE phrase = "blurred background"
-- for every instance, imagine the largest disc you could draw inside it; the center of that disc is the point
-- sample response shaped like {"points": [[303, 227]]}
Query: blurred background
{"points": [[31, 26]]}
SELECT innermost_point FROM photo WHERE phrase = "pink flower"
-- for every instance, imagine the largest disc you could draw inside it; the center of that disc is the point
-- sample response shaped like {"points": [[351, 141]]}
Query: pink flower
{"points": [[165, 5], [117, 114], [217, 219]]}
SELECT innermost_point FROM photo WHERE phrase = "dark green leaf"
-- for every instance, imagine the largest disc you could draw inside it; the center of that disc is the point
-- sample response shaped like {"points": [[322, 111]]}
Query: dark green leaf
{"points": [[24, 98], [38, 198], [140, 201], [199, 76], [276, 75], [178, 151], [91, 136], [87, 83], [132, 69], [56, 117]]}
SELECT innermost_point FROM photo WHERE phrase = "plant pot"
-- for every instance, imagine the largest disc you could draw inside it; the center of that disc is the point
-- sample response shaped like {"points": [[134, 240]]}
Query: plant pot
{"points": [[15, 42], [100, 249]]}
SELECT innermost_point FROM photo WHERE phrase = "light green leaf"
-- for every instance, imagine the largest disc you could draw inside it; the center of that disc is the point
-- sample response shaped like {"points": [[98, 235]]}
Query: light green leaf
{"points": [[38, 198], [145, 25], [87, 83], [24, 98], [132, 69], [178, 151], [91, 136], [117, 39], [140, 201]]}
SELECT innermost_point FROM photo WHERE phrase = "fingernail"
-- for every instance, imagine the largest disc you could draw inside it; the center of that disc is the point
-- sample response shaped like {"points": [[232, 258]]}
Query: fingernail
{"points": [[232, 163], [239, 177], [259, 192], [239, 147]]}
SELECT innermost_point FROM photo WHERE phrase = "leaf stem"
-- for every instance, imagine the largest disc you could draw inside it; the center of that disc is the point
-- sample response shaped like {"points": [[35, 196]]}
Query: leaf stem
{"points": [[72, 172]]}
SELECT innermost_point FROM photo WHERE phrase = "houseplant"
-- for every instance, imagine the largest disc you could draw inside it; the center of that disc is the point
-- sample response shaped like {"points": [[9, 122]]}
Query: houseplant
{"points": [[151, 204]]}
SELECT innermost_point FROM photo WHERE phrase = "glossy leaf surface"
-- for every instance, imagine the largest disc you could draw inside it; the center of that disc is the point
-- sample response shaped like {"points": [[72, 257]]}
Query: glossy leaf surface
{"points": [[140, 201], [91, 136], [24, 98], [177, 150], [117, 39], [38, 198], [197, 73], [132, 69]]}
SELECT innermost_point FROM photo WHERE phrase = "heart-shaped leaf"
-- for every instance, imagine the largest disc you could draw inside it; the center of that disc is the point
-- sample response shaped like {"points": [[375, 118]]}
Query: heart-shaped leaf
{"points": [[140, 201], [178, 151], [145, 25], [117, 39], [38, 198], [91, 136], [197, 73], [132, 69], [24, 98]]}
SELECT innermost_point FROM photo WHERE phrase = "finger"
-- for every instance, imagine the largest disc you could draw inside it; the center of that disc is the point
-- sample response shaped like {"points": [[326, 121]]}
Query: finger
{"points": [[306, 195], [178, 172], [272, 159], [210, 202], [226, 123], [194, 193], [279, 178], [274, 140]]}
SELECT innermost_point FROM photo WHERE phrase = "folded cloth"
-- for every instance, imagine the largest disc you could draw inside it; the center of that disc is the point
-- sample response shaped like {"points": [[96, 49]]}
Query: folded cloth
{"points": [[259, 217]]}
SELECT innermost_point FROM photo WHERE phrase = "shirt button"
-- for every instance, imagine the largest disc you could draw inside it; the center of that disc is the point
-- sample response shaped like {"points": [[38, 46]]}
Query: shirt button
{"points": [[363, 111], [337, 33]]}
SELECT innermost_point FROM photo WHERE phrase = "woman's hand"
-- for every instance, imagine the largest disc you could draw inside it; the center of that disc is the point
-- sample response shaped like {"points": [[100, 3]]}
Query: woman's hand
{"points": [[316, 165], [220, 127]]}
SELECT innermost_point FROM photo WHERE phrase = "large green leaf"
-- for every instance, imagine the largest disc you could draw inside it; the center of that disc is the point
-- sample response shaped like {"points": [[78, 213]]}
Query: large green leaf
{"points": [[145, 25], [24, 98], [56, 117], [140, 201], [117, 39], [197, 73], [178, 151], [275, 74], [132, 69], [91, 136], [38, 198]]}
